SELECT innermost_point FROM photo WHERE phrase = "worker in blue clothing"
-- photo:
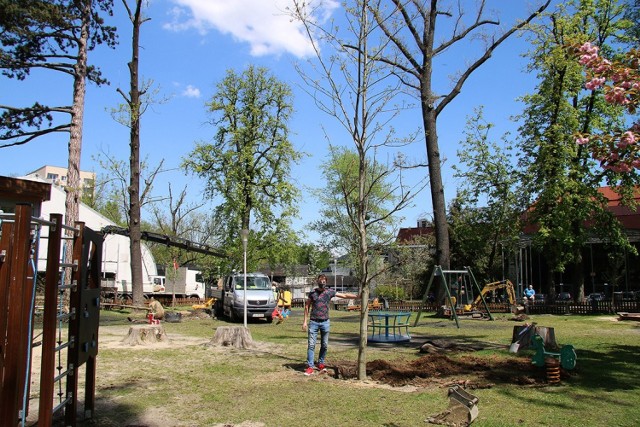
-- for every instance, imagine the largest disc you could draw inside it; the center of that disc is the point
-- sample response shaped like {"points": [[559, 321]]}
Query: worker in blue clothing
{"points": [[529, 294]]}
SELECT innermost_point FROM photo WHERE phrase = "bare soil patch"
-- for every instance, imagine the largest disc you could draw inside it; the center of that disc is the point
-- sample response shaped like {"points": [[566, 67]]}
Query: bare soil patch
{"points": [[441, 370]]}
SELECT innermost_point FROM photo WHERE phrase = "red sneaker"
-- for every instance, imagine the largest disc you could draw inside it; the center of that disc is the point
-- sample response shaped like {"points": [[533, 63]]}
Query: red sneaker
{"points": [[322, 368], [308, 371]]}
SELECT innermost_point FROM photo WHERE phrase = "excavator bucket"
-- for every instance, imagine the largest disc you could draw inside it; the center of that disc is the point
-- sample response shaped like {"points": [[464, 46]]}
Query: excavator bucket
{"points": [[463, 409]]}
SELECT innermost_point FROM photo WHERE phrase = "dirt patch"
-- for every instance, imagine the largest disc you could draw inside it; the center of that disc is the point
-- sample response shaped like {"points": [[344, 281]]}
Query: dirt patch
{"points": [[448, 362], [442, 370]]}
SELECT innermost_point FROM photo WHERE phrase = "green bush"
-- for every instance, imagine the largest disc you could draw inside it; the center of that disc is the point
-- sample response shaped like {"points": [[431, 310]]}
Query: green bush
{"points": [[390, 292]]}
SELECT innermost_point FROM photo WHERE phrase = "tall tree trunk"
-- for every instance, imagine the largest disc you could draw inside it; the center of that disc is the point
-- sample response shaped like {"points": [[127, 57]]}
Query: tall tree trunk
{"points": [[438, 201], [429, 123], [74, 185], [363, 249], [134, 163], [577, 278], [417, 62]]}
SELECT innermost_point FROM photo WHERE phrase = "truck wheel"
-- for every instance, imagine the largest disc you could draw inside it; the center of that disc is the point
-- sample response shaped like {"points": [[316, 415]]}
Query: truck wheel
{"points": [[233, 315], [218, 310], [270, 319]]}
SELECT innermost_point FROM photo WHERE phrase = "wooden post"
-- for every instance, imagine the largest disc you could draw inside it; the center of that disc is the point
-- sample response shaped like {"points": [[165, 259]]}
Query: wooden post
{"points": [[49, 322], [17, 335]]}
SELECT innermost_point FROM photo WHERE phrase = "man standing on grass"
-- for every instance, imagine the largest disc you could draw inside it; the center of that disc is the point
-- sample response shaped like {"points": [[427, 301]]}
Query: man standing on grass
{"points": [[316, 310]]}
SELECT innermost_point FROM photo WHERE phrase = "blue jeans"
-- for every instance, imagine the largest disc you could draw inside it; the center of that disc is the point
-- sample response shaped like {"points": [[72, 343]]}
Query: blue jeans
{"points": [[314, 327]]}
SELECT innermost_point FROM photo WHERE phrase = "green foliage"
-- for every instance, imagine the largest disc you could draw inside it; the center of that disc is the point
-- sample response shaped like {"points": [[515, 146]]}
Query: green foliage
{"points": [[44, 34], [390, 292], [280, 247], [560, 174], [484, 216], [632, 14], [412, 264], [249, 161], [340, 201], [315, 257]]}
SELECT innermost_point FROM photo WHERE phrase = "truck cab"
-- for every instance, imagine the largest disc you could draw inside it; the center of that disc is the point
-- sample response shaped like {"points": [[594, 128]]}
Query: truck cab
{"points": [[260, 299], [158, 283], [194, 284]]}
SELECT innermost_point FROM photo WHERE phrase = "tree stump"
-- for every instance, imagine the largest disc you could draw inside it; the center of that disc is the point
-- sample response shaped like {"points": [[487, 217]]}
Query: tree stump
{"points": [[524, 338], [234, 336], [145, 335]]}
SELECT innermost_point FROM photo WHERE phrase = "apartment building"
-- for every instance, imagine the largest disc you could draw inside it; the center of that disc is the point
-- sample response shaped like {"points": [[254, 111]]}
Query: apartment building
{"points": [[58, 176]]}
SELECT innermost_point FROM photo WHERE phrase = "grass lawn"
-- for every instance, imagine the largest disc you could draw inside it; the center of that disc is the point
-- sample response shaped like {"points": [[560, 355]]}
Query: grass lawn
{"points": [[188, 383]]}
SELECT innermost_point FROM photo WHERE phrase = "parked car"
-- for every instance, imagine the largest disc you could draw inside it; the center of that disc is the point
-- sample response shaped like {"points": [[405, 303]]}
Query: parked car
{"points": [[596, 296], [539, 298], [564, 296], [624, 296]]}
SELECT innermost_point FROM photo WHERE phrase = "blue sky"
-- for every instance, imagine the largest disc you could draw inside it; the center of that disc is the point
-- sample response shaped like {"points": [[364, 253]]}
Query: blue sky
{"points": [[186, 48]]}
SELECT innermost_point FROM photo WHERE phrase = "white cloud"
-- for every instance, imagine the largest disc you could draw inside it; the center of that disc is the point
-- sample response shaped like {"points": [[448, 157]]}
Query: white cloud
{"points": [[191, 92], [264, 24]]}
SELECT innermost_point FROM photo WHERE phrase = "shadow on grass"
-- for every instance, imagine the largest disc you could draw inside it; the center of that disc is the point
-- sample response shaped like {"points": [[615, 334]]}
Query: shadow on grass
{"points": [[614, 369], [107, 412]]}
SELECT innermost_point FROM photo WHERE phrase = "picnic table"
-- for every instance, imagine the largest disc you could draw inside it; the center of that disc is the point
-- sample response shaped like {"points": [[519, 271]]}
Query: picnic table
{"points": [[389, 326]]}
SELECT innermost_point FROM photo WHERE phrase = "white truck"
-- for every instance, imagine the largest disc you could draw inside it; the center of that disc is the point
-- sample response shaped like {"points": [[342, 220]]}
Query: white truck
{"points": [[183, 283], [230, 298]]}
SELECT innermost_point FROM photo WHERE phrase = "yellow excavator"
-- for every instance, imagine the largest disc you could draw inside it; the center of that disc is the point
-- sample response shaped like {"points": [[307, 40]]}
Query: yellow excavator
{"points": [[494, 286], [202, 306]]}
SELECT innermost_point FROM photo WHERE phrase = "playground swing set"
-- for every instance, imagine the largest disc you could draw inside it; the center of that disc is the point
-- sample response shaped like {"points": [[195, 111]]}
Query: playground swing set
{"points": [[459, 287]]}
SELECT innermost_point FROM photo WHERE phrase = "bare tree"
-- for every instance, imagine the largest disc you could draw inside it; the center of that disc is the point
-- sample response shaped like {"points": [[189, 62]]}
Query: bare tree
{"points": [[182, 220], [353, 88], [134, 104], [116, 183], [410, 26]]}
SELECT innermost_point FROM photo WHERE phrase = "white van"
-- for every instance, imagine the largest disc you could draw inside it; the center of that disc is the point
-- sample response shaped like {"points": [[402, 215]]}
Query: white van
{"points": [[260, 299]]}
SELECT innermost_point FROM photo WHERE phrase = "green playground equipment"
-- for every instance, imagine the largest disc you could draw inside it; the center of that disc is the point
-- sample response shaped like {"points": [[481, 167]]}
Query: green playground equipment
{"points": [[567, 355], [463, 279]]}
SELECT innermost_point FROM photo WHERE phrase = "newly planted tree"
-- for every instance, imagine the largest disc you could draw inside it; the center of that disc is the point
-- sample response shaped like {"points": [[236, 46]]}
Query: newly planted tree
{"points": [[349, 83]]}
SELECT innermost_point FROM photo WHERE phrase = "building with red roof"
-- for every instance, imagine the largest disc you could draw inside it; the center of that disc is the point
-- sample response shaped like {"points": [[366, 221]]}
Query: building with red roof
{"points": [[528, 265]]}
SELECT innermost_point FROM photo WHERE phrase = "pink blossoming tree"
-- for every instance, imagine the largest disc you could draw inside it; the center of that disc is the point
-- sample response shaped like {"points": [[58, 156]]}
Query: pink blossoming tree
{"points": [[620, 81]]}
